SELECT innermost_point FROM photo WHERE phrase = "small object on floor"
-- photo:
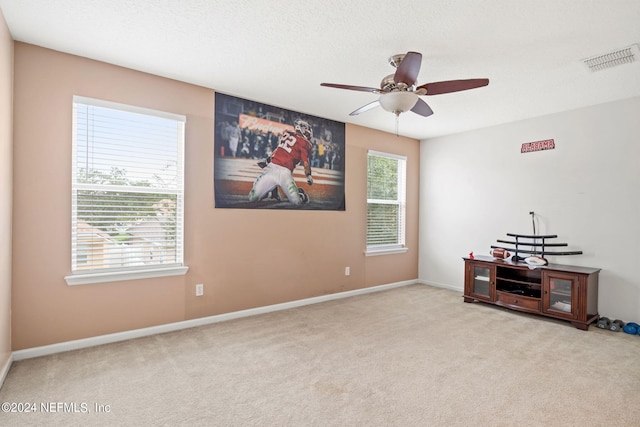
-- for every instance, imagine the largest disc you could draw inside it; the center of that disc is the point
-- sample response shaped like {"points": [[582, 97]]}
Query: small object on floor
{"points": [[631, 328], [604, 323], [616, 325]]}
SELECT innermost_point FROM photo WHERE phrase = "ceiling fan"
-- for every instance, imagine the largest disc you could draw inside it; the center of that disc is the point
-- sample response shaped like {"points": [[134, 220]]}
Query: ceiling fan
{"points": [[398, 92]]}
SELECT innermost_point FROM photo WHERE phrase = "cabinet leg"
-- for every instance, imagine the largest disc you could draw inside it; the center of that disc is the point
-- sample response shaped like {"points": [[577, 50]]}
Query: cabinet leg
{"points": [[467, 299], [581, 326]]}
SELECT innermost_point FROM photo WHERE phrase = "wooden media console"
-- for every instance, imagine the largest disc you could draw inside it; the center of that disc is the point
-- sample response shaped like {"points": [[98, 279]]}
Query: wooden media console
{"points": [[560, 291]]}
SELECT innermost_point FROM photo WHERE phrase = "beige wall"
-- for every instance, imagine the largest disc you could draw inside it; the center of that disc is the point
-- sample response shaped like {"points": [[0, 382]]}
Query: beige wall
{"points": [[6, 161], [241, 259]]}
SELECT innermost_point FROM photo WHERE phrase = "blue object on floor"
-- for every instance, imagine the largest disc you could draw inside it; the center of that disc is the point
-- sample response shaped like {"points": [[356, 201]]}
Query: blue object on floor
{"points": [[632, 328]]}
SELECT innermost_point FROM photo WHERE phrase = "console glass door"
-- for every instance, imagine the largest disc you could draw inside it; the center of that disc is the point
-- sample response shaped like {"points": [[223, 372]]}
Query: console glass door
{"points": [[560, 295], [482, 281]]}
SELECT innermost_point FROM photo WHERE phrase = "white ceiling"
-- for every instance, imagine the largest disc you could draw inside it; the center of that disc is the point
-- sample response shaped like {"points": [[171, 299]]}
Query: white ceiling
{"points": [[279, 51]]}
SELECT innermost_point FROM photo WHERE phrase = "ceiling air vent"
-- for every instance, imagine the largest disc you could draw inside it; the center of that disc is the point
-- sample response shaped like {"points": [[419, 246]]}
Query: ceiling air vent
{"points": [[625, 55]]}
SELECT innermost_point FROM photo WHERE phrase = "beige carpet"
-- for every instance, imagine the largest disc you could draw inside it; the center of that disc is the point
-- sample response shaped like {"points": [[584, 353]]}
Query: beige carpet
{"points": [[411, 356]]}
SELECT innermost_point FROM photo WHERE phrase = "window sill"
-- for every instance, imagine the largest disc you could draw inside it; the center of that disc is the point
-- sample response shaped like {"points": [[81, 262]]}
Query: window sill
{"points": [[385, 251], [87, 279]]}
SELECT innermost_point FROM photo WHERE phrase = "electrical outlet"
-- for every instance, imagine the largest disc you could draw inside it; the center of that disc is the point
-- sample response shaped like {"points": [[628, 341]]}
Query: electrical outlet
{"points": [[347, 271], [199, 290]]}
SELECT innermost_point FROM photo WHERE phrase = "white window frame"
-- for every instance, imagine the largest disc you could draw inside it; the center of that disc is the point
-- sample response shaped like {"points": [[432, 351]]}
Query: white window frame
{"points": [[80, 277], [400, 247]]}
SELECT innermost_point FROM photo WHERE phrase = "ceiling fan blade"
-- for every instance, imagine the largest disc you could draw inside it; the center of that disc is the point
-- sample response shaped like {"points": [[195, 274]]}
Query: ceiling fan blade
{"points": [[364, 108], [449, 86], [422, 108], [408, 69], [349, 87]]}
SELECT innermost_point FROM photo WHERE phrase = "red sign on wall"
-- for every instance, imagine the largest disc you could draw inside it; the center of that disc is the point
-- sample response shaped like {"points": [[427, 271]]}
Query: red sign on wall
{"points": [[547, 144]]}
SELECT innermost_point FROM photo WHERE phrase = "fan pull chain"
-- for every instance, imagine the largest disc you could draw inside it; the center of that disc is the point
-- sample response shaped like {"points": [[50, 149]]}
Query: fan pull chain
{"points": [[397, 124]]}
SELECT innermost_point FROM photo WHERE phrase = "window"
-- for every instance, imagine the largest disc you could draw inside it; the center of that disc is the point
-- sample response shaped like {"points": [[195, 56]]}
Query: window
{"points": [[127, 193], [386, 197]]}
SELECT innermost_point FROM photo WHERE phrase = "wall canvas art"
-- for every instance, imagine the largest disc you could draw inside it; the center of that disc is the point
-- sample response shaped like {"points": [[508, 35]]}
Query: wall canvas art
{"points": [[268, 157]]}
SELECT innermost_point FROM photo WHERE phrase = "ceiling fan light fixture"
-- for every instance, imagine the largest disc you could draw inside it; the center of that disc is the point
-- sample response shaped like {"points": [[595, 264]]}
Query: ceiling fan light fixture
{"points": [[398, 102]]}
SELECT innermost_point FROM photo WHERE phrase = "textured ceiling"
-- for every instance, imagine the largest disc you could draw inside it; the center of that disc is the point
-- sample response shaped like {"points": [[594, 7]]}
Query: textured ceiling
{"points": [[279, 51]]}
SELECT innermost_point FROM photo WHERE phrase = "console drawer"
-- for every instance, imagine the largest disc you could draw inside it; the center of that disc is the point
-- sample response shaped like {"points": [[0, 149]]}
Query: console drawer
{"points": [[518, 302]]}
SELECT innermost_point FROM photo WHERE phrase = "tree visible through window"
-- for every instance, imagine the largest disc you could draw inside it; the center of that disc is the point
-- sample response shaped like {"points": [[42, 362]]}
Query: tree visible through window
{"points": [[127, 190], [386, 177]]}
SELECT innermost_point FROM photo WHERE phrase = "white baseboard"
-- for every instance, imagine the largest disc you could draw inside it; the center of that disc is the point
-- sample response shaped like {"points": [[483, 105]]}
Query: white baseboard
{"points": [[4, 370], [441, 285], [170, 327]]}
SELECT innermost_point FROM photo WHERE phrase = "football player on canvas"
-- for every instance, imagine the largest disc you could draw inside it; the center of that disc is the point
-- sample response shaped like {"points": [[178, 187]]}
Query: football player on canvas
{"points": [[293, 148]]}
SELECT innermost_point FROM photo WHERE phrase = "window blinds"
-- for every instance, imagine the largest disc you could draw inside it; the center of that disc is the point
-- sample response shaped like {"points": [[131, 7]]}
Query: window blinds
{"points": [[127, 188], [386, 181]]}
